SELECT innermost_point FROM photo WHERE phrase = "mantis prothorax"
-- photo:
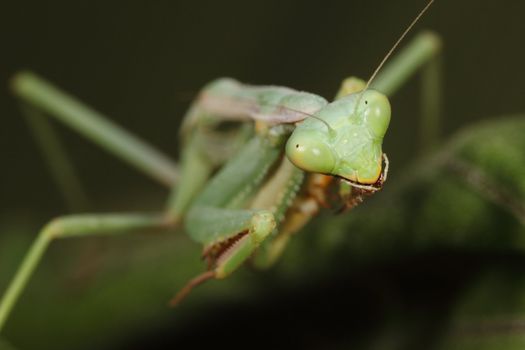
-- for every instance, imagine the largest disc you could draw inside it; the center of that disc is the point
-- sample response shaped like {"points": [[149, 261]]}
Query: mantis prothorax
{"points": [[257, 162]]}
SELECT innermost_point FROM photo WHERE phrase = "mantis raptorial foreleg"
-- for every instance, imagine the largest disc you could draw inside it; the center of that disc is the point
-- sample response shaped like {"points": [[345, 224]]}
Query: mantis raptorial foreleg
{"points": [[217, 213], [295, 212], [229, 233], [226, 100]]}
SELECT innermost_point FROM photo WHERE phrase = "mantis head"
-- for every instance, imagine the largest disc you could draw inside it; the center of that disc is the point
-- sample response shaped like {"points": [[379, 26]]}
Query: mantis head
{"points": [[344, 139]]}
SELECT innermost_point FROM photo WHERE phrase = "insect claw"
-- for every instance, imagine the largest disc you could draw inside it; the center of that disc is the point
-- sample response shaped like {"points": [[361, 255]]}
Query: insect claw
{"points": [[203, 277]]}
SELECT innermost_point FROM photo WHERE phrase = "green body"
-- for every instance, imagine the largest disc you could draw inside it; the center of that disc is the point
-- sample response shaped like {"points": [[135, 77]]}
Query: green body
{"points": [[233, 184], [347, 144]]}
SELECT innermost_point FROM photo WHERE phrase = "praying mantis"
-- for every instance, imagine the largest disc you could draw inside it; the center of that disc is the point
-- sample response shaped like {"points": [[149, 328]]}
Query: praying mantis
{"points": [[235, 191]]}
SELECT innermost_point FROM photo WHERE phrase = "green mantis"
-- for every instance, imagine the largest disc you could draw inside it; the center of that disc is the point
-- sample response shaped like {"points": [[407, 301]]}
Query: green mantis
{"points": [[233, 216], [237, 192]]}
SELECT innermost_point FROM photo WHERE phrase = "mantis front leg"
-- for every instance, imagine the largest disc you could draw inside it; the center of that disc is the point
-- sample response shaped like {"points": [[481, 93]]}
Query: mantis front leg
{"points": [[226, 100], [228, 220]]}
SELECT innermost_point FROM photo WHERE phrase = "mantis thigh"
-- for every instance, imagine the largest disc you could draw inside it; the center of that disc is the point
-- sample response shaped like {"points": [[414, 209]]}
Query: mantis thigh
{"points": [[220, 210]]}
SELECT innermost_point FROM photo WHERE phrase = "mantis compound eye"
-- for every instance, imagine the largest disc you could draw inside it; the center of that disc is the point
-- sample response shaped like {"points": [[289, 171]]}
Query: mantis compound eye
{"points": [[307, 151], [376, 112]]}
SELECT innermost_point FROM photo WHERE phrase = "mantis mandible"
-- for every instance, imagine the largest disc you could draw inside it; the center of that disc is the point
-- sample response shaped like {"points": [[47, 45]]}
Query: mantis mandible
{"points": [[257, 162]]}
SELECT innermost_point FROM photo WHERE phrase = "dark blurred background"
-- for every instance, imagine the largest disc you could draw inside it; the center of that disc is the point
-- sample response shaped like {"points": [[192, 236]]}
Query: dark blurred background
{"points": [[142, 62]]}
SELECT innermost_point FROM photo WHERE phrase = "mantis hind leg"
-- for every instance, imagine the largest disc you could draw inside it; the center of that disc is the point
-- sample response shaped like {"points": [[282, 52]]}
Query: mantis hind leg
{"points": [[55, 155], [41, 100], [73, 226], [51, 101]]}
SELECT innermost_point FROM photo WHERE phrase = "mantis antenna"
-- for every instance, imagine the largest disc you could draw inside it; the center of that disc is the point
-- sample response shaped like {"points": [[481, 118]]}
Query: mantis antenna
{"points": [[330, 129], [397, 43], [389, 53]]}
